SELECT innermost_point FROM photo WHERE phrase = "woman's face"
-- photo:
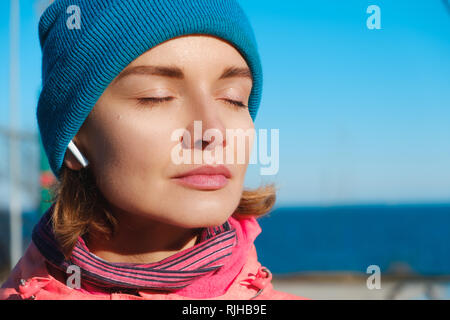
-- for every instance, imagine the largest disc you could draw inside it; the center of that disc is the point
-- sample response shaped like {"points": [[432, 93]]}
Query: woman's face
{"points": [[128, 136]]}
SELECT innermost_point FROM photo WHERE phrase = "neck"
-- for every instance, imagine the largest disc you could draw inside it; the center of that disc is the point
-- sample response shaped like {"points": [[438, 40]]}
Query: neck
{"points": [[141, 240]]}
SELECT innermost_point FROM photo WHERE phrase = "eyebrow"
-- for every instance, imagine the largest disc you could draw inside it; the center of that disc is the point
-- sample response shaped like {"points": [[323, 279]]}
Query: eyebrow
{"points": [[177, 73], [232, 72]]}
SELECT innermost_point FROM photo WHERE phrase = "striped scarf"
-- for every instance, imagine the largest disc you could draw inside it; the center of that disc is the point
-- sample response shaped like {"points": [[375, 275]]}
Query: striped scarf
{"points": [[211, 251]]}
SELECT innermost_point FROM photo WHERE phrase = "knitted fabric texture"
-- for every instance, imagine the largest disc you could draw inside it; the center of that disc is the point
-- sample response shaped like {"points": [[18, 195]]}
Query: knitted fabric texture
{"points": [[81, 59]]}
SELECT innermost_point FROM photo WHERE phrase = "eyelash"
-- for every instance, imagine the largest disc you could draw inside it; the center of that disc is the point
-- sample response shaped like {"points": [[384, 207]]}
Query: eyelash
{"points": [[235, 103], [146, 101]]}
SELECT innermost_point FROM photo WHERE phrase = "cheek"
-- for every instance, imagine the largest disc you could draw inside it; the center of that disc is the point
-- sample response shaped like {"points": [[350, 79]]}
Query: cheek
{"points": [[240, 140], [131, 155]]}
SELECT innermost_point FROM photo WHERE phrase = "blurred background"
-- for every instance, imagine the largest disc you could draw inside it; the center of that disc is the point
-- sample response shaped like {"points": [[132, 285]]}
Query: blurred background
{"points": [[361, 99]]}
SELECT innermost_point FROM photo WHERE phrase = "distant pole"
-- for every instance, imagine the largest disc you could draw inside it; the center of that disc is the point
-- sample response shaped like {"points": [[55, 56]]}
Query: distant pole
{"points": [[15, 206]]}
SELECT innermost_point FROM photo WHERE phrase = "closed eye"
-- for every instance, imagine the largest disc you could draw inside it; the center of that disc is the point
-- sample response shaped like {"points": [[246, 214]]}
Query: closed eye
{"points": [[235, 103], [153, 100]]}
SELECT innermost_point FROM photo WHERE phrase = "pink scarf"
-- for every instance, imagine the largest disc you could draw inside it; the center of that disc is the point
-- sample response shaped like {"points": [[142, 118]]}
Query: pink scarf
{"points": [[219, 253]]}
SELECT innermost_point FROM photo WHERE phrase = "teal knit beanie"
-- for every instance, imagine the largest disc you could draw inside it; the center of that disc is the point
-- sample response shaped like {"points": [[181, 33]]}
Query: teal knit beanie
{"points": [[82, 56]]}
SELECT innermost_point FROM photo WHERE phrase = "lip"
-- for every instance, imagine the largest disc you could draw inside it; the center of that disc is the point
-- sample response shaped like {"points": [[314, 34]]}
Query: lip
{"points": [[205, 177]]}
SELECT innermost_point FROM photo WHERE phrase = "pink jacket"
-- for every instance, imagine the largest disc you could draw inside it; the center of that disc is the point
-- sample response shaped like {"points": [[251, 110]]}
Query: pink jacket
{"points": [[33, 278]]}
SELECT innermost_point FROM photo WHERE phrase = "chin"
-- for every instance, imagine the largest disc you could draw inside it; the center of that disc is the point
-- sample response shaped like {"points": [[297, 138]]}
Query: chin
{"points": [[205, 214]]}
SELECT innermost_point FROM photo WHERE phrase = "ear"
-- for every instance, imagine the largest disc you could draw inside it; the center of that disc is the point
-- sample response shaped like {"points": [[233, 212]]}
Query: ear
{"points": [[70, 161]]}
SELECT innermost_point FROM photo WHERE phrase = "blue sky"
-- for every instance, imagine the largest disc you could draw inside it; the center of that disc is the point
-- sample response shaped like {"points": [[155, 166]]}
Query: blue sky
{"points": [[364, 115]]}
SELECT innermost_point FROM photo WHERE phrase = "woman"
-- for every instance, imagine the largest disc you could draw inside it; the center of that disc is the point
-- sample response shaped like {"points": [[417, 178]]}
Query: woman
{"points": [[129, 220]]}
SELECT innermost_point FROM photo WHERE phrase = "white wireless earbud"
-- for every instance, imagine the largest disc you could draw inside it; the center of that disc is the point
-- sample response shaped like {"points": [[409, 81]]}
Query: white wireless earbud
{"points": [[73, 148]]}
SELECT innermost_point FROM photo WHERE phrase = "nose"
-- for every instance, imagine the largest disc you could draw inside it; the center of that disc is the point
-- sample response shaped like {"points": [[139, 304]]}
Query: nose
{"points": [[206, 126]]}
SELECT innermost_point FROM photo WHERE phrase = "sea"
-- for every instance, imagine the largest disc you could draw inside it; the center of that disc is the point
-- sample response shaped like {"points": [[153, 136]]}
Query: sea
{"points": [[398, 239]]}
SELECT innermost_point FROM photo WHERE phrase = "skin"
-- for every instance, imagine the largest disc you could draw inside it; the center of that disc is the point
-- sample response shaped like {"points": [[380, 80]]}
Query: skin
{"points": [[129, 147]]}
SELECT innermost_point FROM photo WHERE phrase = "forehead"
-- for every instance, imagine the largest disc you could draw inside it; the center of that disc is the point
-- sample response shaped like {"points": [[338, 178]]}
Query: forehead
{"points": [[192, 49]]}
